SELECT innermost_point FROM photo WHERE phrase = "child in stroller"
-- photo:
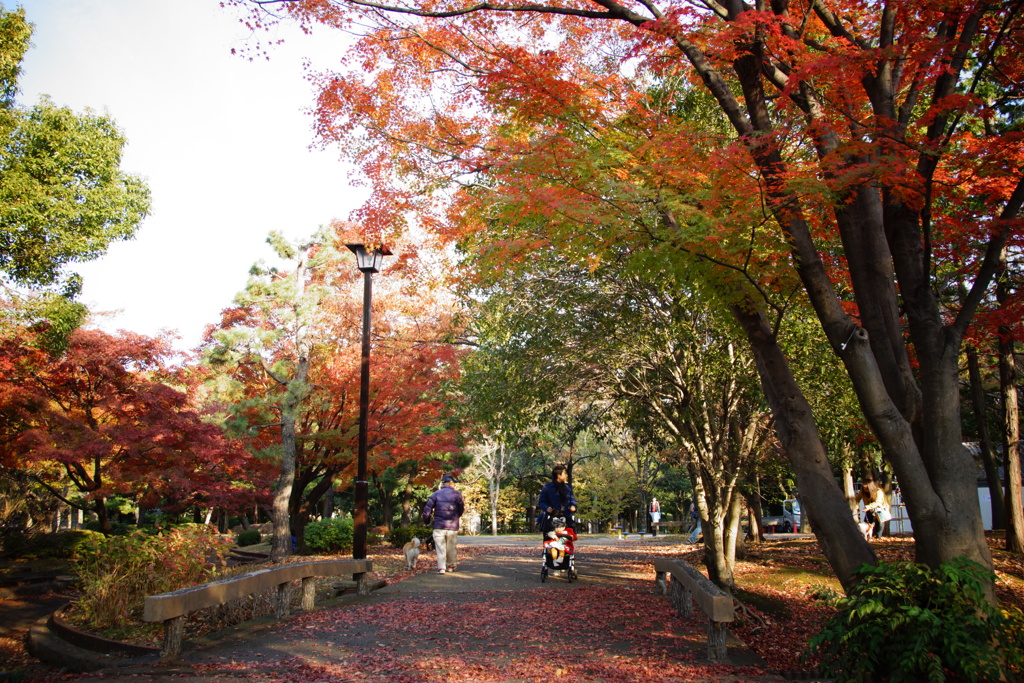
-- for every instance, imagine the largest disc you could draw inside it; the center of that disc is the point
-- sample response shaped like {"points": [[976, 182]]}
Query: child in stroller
{"points": [[559, 552]]}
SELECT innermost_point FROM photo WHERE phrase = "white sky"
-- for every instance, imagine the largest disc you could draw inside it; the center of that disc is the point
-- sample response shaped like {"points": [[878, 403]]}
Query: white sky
{"points": [[222, 142]]}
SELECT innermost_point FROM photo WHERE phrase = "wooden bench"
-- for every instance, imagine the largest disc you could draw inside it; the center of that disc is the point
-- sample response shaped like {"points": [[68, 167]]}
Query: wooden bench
{"points": [[657, 525], [172, 608], [686, 585]]}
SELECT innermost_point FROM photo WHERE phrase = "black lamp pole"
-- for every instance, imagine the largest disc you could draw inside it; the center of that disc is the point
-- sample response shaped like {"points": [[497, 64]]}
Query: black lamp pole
{"points": [[368, 263]]}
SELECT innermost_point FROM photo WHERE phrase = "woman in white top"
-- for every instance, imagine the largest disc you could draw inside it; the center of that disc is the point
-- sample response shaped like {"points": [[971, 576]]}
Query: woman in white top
{"points": [[875, 501]]}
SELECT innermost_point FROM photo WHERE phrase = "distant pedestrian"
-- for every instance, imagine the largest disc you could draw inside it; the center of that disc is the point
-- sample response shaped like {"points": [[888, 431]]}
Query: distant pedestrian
{"points": [[695, 518], [446, 507], [655, 515]]}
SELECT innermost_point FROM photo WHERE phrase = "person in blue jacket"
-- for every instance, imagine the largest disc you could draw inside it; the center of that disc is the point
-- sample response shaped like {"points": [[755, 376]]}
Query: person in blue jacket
{"points": [[446, 507], [556, 496]]}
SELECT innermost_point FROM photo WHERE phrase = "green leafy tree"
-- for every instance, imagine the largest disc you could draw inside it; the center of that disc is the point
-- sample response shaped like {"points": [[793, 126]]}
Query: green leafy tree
{"points": [[603, 489], [63, 197], [269, 332]]}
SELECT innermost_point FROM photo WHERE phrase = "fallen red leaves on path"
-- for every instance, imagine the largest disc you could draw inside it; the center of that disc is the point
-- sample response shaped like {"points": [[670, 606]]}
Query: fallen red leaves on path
{"points": [[612, 631]]}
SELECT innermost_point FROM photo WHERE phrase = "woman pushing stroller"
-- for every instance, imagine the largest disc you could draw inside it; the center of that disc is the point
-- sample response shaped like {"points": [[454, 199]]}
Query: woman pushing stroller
{"points": [[557, 503], [556, 496]]}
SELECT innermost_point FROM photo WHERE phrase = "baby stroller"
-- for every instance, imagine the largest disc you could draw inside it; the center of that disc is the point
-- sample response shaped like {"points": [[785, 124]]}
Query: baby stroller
{"points": [[558, 554]]}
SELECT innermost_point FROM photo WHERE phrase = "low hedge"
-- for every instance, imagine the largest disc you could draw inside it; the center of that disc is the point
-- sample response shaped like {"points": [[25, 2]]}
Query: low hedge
{"points": [[249, 537], [403, 534]]}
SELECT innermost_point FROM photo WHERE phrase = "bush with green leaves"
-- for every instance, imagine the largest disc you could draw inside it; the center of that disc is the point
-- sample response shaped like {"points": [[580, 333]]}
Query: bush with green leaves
{"points": [[118, 572], [903, 621], [249, 537], [56, 545], [329, 536], [403, 534]]}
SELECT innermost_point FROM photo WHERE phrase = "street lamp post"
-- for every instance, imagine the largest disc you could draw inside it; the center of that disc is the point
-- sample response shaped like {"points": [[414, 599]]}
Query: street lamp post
{"points": [[368, 262]]}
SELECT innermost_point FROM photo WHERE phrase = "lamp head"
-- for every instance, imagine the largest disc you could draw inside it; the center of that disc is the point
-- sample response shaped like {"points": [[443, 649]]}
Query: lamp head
{"points": [[369, 261]]}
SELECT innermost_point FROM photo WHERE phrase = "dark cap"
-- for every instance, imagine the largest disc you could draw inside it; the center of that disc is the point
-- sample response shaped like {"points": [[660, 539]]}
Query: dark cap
{"points": [[447, 479]]}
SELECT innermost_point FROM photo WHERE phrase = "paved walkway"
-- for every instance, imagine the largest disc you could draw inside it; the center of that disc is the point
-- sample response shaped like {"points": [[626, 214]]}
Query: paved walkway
{"points": [[491, 621]]}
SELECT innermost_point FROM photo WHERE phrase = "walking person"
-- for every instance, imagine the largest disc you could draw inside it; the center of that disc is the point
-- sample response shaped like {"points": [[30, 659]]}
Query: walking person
{"points": [[446, 507], [695, 518], [655, 516], [556, 496]]}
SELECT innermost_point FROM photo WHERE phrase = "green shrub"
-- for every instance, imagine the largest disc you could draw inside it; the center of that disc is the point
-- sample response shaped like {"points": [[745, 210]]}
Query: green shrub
{"points": [[57, 545], [249, 537], [906, 622], [403, 534], [117, 528], [118, 572], [329, 536]]}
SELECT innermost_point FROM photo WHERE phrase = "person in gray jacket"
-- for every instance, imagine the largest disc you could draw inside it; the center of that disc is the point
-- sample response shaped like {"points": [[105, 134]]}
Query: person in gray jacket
{"points": [[446, 507]]}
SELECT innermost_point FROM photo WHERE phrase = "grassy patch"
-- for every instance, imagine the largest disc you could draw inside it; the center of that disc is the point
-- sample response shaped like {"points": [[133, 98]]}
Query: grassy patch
{"points": [[767, 604]]}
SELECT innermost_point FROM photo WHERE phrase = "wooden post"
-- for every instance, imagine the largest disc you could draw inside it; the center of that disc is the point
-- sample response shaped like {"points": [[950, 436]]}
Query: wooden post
{"points": [[660, 583], [281, 606], [174, 632], [308, 593], [682, 599], [718, 634], [362, 583]]}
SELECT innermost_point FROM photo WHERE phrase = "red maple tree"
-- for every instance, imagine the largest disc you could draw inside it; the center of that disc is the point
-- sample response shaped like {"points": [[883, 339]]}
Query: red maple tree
{"points": [[109, 415]]}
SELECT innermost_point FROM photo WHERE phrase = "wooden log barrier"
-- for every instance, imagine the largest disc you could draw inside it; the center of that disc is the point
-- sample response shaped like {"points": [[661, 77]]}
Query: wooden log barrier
{"points": [[685, 585], [172, 608]]}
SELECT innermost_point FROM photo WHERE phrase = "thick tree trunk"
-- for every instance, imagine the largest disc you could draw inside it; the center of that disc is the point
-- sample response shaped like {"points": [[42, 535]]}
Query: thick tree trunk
{"points": [[328, 507], [281, 545], [755, 531], [985, 440], [840, 538], [99, 506], [1011, 421], [1011, 445]]}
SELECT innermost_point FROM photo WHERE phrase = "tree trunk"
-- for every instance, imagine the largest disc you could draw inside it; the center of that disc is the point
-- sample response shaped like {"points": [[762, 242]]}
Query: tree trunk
{"points": [[494, 489], [806, 524], [281, 545], [407, 503], [985, 440], [848, 491], [1011, 422], [99, 507], [840, 538], [328, 508], [1011, 445]]}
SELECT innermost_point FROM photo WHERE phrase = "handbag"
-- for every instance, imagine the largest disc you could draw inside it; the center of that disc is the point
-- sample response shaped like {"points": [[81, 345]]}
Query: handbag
{"points": [[884, 515]]}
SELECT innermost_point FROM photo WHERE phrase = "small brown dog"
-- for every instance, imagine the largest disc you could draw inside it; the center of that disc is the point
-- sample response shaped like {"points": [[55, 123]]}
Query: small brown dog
{"points": [[412, 553]]}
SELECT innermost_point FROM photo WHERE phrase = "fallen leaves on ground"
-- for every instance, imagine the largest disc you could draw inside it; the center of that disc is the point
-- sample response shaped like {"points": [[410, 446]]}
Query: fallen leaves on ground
{"points": [[597, 631]]}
